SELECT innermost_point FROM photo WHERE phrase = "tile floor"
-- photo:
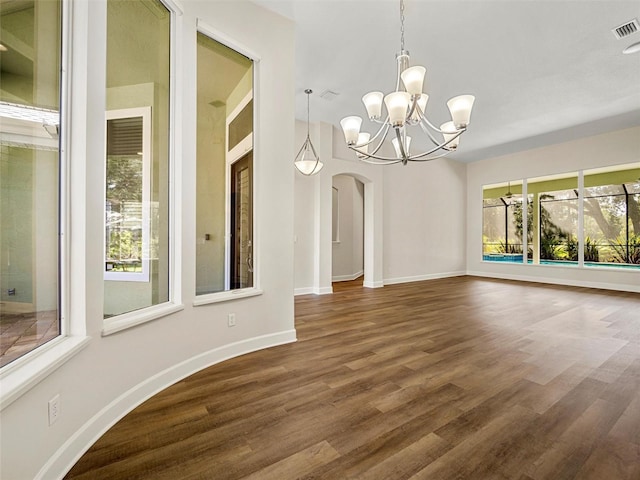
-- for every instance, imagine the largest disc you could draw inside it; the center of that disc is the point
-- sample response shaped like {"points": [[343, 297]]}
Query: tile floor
{"points": [[22, 332]]}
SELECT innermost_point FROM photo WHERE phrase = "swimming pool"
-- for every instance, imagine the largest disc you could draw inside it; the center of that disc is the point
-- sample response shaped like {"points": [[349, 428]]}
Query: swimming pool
{"points": [[517, 258]]}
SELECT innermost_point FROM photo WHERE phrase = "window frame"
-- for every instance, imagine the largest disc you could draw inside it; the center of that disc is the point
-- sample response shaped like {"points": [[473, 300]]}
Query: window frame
{"points": [[174, 304], [581, 194], [236, 153], [25, 372]]}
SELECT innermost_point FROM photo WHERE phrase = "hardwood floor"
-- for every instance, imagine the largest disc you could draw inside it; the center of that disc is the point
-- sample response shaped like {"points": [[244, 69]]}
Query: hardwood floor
{"points": [[460, 378]]}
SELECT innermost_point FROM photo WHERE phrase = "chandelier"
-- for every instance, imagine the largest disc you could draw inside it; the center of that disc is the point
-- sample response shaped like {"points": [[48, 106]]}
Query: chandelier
{"points": [[406, 109], [307, 161]]}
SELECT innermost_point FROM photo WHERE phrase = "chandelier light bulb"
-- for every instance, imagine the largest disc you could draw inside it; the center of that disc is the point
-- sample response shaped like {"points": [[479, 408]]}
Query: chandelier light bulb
{"points": [[397, 104], [460, 108], [418, 112], [363, 151], [351, 129], [413, 79], [396, 146], [449, 131], [373, 103]]}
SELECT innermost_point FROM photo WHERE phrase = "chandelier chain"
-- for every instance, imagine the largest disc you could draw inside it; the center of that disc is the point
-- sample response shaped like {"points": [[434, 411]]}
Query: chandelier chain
{"points": [[402, 25]]}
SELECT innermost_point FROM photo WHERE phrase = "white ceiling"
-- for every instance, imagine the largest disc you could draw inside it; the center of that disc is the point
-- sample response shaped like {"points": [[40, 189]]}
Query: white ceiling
{"points": [[542, 72]]}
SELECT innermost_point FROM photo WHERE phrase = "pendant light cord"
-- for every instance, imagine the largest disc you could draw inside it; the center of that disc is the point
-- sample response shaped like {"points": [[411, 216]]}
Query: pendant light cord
{"points": [[308, 92]]}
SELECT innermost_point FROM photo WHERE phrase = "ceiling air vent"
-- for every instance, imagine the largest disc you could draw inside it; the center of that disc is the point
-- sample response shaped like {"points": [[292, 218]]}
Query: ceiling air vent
{"points": [[626, 29], [329, 95]]}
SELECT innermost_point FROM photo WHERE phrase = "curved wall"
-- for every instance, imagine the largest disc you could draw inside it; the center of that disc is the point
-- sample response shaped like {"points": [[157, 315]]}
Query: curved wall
{"points": [[115, 373]]}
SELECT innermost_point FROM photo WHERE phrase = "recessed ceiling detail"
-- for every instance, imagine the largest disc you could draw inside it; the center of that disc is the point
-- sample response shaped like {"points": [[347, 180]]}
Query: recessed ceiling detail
{"points": [[626, 29]]}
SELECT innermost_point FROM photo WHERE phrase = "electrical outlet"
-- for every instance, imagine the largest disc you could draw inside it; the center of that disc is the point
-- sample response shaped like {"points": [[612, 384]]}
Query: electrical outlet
{"points": [[231, 319], [54, 409]]}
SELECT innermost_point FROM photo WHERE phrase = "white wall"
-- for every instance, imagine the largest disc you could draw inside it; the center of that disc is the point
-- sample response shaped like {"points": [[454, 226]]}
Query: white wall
{"points": [[347, 254], [313, 207], [114, 373], [613, 148], [424, 219]]}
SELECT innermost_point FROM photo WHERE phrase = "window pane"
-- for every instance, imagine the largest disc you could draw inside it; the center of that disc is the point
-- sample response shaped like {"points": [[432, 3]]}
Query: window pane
{"points": [[137, 156], [502, 223], [612, 217], [29, 178], [224, 206]]}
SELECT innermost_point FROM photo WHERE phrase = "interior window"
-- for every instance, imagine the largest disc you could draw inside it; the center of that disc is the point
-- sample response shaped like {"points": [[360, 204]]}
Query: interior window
{"points": [[30, 35], [224, 206], [136, 243]]}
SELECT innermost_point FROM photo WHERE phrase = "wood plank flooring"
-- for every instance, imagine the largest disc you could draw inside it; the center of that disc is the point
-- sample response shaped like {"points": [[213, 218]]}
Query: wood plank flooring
{"points": [[460, 378]]}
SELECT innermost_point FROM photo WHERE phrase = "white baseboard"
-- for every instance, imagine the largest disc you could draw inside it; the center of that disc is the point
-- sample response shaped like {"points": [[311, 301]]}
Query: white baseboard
{"points": [[559, 281], [71, 451], [304, 291], [18, 307], [347, 278], [312, 291], [420, 278], [378, 284]]}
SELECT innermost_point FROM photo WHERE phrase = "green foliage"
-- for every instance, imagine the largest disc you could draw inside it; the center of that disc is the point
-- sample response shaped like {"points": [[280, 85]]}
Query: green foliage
{"points": [[510, 249], [519, 221], [619, 250], [591, 252]]}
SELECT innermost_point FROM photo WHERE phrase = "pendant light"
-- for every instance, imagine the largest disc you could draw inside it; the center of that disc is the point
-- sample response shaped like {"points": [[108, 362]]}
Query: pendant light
{"points": [[307, 161]]}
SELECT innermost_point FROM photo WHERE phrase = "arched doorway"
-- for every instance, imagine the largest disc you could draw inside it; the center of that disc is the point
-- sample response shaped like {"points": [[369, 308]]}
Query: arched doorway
{"points": [[347, 230]]}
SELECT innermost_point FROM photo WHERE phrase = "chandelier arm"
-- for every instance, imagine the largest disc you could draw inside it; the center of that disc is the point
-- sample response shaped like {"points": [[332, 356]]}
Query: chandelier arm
{"points": [[381, 142], [384, 128], [371, 162], [435, 149], [426, 130], [373, 139], [424, 117], [420, 159], [405, 158], [363, 156]]}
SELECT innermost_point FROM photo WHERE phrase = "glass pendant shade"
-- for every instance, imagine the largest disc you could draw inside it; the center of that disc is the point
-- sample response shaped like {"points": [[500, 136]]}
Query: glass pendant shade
{"points": [[396, 146], [420, 108], [460, 108], [449, 132], [413, 79], [351, 129], [307, 161], [397, 104], [373, 103], [363, 138]]}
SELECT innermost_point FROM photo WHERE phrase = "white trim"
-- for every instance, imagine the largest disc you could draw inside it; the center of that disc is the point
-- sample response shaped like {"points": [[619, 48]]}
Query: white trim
{"points": [[420, 278], [220, 37], [304, 291], [173, 6], [70, 452], [313, 291], [24, 373], [226, 296], [375, 284], [323, 291], [559, 281], [138, 317], [347, 278]]}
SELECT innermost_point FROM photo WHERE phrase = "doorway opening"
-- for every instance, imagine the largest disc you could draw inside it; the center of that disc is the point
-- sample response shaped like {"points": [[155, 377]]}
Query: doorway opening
{"points": [[347, 263]]}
